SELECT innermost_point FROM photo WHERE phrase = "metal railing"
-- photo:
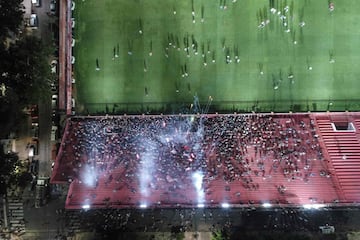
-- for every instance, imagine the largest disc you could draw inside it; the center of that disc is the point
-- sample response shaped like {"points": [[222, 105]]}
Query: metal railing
{"points": [[261, 106]]}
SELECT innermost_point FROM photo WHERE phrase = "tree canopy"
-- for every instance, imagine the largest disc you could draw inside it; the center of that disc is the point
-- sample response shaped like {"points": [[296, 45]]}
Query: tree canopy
{"points": [[25, 76], [8, 163], [26, 73], [218, 235], [28, 70], [11, 17]]}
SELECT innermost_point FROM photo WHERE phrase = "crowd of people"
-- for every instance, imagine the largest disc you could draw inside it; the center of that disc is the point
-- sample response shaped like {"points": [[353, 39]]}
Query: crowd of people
{"points": [[161, 153]]}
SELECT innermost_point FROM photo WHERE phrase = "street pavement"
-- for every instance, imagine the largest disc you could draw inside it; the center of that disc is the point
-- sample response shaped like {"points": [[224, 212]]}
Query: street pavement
{"points": [[206, 220], [31, 222], [47, 222], [44, 32]]}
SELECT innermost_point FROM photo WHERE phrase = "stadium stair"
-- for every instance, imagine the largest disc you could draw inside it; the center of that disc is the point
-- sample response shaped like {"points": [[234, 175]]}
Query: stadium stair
{"points": [[343, 149]]}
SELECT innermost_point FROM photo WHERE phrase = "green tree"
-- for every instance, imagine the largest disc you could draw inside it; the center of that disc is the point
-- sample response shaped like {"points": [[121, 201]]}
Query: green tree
{"points": [[11, 17], [28, 70], [8, 163], [217, 235], [25, 71]]}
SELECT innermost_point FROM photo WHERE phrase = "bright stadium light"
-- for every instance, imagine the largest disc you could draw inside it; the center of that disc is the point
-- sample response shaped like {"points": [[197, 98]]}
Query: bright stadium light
{"points": [[201, 205], [89, 175], [197, 180], [143, 205], [225, 205], [146, 167], [313, 206], [266, 205], [86, 206]]}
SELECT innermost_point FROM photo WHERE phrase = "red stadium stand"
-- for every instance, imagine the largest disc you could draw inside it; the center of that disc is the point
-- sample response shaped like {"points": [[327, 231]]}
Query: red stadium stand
{"points": [[209, 161], [343, 150]]}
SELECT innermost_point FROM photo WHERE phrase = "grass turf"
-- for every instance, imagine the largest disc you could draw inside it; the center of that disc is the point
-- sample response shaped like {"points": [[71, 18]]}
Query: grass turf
{"points": [[103, 25]]}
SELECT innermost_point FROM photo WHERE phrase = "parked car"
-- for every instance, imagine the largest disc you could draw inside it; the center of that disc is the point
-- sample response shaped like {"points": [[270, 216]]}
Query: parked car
{"points": [[54, 87], [34, 130], [53, 65], [36, 3], [55, 118], [53, 6], [33, 22], [42, 191], [54, 133], [54, 100]]}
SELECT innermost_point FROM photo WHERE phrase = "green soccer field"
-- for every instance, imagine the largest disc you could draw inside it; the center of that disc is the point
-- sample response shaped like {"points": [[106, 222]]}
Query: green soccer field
{"points": [[152, 54]]}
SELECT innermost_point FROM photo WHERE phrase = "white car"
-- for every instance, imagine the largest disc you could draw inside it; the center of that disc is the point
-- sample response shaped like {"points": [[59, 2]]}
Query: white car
{"points": [[54, 99], [53, 6], [72, 60], [33, 22], [36, 3], [73, 22], [72, 5], [53, 66]]}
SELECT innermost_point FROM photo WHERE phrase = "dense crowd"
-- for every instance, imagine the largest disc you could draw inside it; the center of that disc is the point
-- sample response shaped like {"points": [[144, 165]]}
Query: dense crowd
{"points": [[166, 150]]}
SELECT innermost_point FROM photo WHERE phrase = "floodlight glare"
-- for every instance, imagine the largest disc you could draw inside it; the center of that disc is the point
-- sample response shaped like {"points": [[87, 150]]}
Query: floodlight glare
{"points": [[225, 205], [318, 206], [266, 205], [197, 180], [307, 206], [86, 206], [143, 205], [313, 206], [201, 205]]}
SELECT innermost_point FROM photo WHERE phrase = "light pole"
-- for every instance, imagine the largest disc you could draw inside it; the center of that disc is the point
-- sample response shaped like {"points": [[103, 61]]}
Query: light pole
{"points": [[329, 105]]}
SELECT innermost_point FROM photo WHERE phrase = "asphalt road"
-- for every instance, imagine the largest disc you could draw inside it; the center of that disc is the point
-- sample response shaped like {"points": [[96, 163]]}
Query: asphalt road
{"points": [[43, 223], [205, 220], [46, 35]]}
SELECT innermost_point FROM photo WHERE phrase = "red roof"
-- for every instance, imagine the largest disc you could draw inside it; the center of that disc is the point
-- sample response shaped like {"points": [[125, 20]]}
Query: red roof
{"points": [[211, 160]]}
